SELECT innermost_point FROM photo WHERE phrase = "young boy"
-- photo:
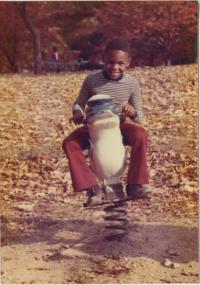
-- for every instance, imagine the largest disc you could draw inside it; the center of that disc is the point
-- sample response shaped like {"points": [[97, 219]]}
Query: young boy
{"points": [[125, 93]]}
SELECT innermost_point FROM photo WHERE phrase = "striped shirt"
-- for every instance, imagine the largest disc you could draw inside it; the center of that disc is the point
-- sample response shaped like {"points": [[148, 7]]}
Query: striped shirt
{"points": [[122, 91]]}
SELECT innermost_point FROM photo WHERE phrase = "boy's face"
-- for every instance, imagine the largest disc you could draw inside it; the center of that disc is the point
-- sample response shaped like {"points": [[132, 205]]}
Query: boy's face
{"points": [[115, 63]]}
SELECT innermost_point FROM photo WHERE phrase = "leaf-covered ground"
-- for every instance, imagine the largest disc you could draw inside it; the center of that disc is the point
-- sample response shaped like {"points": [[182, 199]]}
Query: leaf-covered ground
{"points": [[47, 236]]}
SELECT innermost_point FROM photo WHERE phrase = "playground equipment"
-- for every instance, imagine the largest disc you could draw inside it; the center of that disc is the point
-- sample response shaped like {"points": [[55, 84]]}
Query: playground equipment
{"points": [[108, 160]]}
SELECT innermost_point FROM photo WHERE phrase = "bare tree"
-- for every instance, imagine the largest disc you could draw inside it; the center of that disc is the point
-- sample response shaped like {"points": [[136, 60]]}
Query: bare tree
{"points": [[35, 33]]}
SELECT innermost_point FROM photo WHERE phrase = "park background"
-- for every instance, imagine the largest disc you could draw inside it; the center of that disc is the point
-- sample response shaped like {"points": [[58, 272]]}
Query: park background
{"points": [[47, 236], [160, 32]]}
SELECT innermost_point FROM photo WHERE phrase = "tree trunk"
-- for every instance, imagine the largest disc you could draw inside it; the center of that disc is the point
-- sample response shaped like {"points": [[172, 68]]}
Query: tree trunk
{"points": [[11, 53], [35, 36], [12, 62]]}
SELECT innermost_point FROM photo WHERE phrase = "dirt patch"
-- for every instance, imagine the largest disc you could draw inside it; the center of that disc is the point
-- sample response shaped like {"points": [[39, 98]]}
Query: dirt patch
{"points": [[65, 243]]}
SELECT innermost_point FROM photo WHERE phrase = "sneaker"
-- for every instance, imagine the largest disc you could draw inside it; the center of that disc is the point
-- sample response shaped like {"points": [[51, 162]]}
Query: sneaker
{"points": [[95, 196], [137, 191], [90, 192], [118, 190]]}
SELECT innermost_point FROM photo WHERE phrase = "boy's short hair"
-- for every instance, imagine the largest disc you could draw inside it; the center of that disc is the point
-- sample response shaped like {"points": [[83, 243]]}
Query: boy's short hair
{"points": [[118, 44]]}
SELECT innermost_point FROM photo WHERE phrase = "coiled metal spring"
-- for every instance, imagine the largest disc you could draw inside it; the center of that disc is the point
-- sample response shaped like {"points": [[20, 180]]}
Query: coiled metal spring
{"points": [[116, 219]]}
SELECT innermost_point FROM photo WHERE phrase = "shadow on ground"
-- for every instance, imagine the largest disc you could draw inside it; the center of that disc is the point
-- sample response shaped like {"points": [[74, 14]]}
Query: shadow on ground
{"points": [[144, 239]]}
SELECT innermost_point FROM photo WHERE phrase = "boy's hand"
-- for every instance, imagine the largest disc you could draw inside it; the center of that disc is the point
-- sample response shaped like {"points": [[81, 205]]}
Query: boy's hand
{"points": [[128, 110], [77, 117]]}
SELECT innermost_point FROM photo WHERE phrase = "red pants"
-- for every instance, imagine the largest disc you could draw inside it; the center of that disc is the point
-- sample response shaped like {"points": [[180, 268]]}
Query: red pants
{"points": [[81, 174]]}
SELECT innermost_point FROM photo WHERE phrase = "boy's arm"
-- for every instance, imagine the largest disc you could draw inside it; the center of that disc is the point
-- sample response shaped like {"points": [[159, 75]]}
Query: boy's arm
{"points": [[79, 104], [136, 104], [84, 95]]}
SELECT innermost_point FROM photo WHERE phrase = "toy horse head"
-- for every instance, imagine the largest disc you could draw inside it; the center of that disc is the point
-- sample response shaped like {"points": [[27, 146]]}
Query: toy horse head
{"points": [[101, 111]]}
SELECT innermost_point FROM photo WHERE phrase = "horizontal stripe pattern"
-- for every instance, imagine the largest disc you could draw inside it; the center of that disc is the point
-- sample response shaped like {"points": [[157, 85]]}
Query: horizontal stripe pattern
{"points": [[125, 90]]}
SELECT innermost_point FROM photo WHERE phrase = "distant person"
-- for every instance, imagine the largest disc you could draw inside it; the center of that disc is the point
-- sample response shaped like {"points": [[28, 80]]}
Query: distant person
{"points": [[55, 54], [122, 88], [56, 59]]}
